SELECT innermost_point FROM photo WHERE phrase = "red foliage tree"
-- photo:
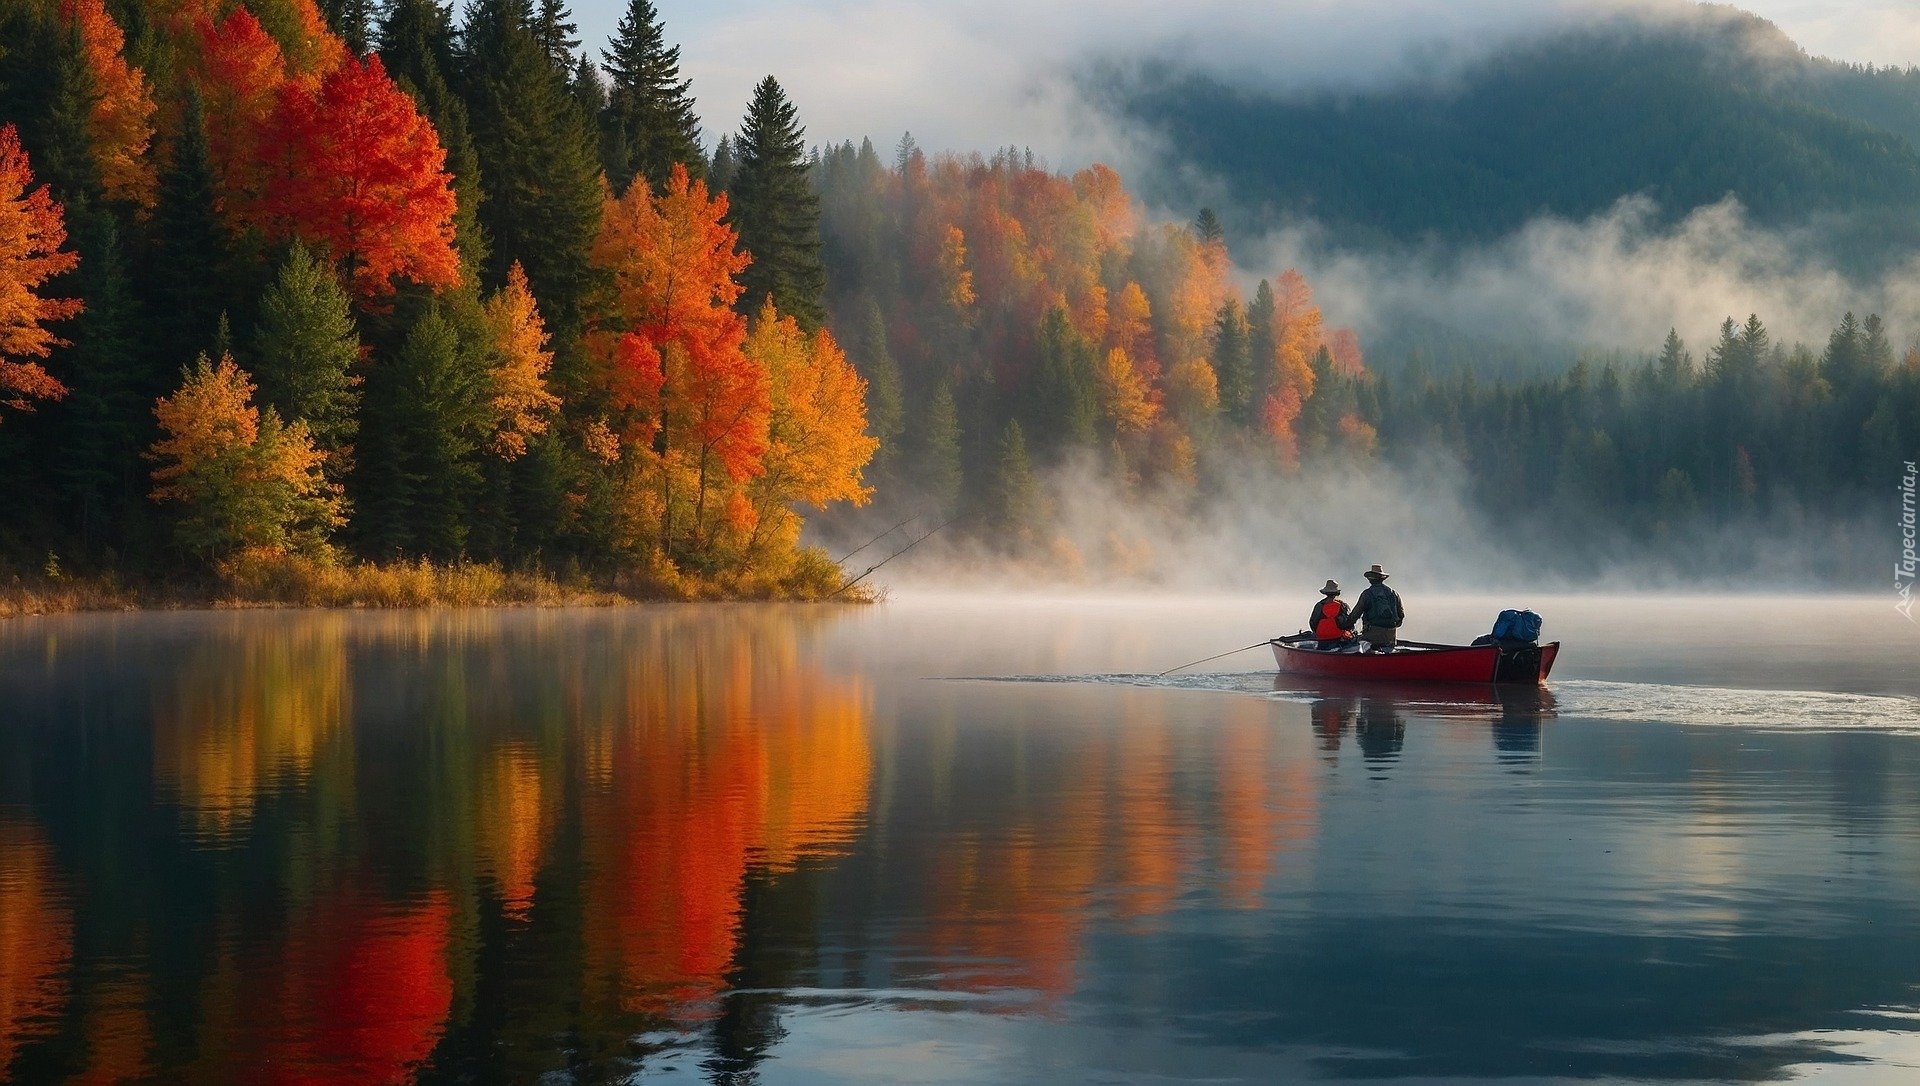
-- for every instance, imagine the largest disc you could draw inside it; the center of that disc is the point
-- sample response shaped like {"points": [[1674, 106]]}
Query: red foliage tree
{"points": [[363, 179]]}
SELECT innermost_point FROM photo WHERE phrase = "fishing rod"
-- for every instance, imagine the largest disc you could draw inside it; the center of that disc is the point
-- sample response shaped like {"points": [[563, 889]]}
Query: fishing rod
{"points": [[1247, 648], [878, 538], [915, 543]]}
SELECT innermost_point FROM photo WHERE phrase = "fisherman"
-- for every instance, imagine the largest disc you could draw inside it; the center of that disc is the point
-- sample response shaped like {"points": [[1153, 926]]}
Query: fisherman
{"points": [[1379, 612], [1331, 622]]}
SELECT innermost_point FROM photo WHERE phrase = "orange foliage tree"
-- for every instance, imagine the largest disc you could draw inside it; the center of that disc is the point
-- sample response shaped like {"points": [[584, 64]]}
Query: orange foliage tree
{"points": [[817, 442], [521, 402], [362, 177], [120, 122], [32, 230], [689, 409], [1296, 337]]}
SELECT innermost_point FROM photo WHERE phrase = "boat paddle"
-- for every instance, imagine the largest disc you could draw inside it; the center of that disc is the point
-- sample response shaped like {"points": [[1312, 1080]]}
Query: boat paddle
{"points": [[1245, 648]]}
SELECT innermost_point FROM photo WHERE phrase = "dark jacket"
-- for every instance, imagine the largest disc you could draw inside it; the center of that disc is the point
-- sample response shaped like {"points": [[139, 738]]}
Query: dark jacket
{"points": [[1379, 607]]}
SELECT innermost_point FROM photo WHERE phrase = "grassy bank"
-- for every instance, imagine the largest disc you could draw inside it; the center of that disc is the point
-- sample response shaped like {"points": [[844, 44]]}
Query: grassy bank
{"points": [[292, 581]]}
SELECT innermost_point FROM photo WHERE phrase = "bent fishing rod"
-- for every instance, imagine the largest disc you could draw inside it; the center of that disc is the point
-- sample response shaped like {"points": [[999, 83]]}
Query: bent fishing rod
{"points": [[914, 543]]}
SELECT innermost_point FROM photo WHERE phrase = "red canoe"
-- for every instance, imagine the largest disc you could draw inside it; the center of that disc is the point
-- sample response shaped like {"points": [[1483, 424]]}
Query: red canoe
{"points": [[1423, 663]]}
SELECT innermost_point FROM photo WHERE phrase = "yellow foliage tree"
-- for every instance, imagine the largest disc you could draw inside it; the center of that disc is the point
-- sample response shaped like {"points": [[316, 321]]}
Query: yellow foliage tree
{"points": [[817, 442], [521, 402], [32, 230], [1297, 335], [1125, 397], [245, 480]]}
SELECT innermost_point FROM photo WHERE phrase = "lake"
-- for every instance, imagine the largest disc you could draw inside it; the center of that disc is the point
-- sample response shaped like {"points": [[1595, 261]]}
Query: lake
{"points": [[956, 839]]}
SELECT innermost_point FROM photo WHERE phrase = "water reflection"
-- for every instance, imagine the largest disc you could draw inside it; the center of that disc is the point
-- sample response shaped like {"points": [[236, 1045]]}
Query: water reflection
{"points": [[716, 843]]}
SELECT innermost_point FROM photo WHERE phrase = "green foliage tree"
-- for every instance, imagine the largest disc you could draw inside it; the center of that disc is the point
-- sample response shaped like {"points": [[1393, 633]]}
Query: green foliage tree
{"points": [[1013, 498], [936, 461], [305, 349], [776, 211], [1063, 405], [1233, 362], [189, 279]]}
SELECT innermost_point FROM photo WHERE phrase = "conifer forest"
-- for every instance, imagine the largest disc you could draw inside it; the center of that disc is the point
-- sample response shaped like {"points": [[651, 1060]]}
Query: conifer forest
{"points": [[298, 286]]}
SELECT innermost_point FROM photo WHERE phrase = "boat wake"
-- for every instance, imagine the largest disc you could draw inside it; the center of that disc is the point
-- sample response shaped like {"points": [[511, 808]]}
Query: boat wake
{"points": [[1788, 710]]}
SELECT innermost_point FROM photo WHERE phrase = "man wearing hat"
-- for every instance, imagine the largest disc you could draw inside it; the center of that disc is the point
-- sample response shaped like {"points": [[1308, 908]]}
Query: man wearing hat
{"points": [[1379, 612], [1330, 621]]}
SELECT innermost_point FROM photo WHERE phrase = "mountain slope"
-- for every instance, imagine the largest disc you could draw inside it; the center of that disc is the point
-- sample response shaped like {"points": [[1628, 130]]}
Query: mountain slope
{"points": [[1684, 113]]}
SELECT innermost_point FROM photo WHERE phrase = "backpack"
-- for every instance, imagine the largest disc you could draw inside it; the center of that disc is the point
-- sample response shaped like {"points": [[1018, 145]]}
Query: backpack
{"points": [[1516, 626]]}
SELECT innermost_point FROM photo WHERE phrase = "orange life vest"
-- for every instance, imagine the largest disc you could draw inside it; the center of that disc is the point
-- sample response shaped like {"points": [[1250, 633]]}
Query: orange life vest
{"points": [[1327, 626]]}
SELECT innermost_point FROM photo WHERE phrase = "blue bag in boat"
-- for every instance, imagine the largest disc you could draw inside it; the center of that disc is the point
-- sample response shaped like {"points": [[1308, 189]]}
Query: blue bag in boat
{"points": [[1516, 626]]}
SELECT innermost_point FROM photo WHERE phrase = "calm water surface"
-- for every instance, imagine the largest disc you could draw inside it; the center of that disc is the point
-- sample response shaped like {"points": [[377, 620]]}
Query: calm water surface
{"points": [[954, 840]]}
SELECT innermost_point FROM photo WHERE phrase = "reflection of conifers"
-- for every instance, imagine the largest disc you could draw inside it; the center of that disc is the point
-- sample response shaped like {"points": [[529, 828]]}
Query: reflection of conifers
{"points": [[248, 711], [36, 939], [718, 757]]}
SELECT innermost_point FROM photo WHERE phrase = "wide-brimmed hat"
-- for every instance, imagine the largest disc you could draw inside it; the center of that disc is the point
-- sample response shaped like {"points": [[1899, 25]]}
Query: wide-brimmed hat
{"points": [[1332, 589], [1376, 571]]}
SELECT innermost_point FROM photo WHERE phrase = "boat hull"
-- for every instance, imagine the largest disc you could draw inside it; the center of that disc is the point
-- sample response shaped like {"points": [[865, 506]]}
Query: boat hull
{"points": [[1448, 664]]}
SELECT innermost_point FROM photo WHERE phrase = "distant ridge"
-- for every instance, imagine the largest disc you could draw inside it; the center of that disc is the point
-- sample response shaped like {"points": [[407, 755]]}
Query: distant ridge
{"points": [[1682, 111]]}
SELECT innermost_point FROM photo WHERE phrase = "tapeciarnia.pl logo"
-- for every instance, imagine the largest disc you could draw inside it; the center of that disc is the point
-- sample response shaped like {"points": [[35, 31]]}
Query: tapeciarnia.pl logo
{"points": [[1903, 570]]}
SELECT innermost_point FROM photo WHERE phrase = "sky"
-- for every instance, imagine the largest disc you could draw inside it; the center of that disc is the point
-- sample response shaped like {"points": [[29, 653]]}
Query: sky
{"points": [[978, 74]]}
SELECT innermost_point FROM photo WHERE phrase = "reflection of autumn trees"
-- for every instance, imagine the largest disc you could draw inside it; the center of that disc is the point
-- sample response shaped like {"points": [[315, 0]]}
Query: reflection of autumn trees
{"points": [[1118, 825], [741, 759], [247, 712], [36, 938]]}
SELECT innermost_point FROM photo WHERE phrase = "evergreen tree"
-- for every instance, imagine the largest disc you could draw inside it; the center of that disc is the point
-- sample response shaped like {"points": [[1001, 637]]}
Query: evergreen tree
{"points": [[304, 351], [777, 212], [190, 275], [350, 19], [542, 176], [1013, 500], [1206, 227], [649, 123], [1261, 348], [1233, 362], [726, 166], [885, 410], [936, 468], [1676, 362], [557, 33], [106, 418], [426, 416], [1063, 403]]}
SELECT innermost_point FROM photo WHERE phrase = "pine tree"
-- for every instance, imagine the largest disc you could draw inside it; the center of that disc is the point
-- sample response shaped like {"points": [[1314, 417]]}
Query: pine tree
{"points": [[649, 122], [557, 33], [1013, 500], [350, 19], [542, 176], [103, 422], [1261, 346], [776, 211], [886, 411], [936, 468], [1063, 403], [1233, 362], [191, 274], [427, 413], [304, 352], [1206, 227], [725, 167], [416, 44]]}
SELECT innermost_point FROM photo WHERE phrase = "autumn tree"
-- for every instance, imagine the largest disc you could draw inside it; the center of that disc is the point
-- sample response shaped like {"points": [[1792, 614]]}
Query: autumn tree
{"points": [[242, 479], [32, 233], [364, 181], [816, 431], [239, 71], [304, 353], [690, 409], [121, 116], [776, 210], [519, 398]]}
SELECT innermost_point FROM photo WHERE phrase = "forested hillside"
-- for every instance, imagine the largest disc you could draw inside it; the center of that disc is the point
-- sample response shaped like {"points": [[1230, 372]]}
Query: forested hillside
{"points": [[1685, 112], [295, 301]]}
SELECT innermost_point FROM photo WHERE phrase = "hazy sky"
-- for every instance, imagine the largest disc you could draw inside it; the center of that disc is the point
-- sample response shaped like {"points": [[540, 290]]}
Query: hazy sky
{"points": [[984, 73]]}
